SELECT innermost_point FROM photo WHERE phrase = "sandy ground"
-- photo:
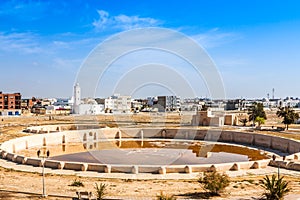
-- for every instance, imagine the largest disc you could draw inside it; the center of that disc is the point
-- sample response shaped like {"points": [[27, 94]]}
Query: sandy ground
{"points": [[246, 187], [30, 184]]}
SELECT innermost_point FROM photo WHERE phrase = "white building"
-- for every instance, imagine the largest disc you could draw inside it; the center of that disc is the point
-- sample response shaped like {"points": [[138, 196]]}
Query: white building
{"points": [[118, 104], [90, 109], [86, 107], [10, 112], [48, 101], [290, 102], [168, 103], [76, 99]]}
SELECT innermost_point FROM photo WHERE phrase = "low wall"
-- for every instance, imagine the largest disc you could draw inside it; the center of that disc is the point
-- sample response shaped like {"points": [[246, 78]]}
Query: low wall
{"points": [[285, 164], [88, 137]]}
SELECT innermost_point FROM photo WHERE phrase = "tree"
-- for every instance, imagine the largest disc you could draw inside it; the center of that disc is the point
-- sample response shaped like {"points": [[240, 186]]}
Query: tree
{"points": [[100, 190], [204, 107], [257, 110], [275, 188], [288, 114], [244, 121], [259, 120]]}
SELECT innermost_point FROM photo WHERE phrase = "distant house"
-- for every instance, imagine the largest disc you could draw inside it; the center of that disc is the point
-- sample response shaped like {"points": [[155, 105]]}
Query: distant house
{"points": [[26, 104], [60, 107], [118, 104], [168, 103], [10, 104], [38, 109], [87, 106], [206, 118]]}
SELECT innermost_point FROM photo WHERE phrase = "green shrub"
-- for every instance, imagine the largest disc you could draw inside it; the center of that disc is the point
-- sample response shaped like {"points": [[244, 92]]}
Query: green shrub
{"points": [[77, 183], [163, 196], [214, 182], [275, 188], [100, 190]]}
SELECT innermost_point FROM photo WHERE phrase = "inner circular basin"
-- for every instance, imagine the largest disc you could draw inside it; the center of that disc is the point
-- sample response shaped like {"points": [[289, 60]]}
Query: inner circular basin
{"points": [[151, 152], [150, 157]]}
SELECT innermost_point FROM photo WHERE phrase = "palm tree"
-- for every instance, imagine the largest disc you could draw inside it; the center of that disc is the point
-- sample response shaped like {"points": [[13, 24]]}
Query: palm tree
{"points": [[257, 110], [244, 121], [100, 190], [288, 114], [275, 189]]}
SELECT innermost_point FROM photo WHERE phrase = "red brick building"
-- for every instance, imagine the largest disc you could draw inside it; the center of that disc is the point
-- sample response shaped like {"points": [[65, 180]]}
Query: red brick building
{"points": [[10, 101]]}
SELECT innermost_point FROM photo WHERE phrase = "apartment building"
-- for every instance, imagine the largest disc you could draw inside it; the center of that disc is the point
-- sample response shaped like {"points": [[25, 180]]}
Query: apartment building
{"points": [[118, 104], [10, 104], [168, 103]]}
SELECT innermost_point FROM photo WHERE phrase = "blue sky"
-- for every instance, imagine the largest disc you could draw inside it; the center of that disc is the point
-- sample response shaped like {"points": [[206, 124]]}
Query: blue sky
{"points": [[254, 44]]}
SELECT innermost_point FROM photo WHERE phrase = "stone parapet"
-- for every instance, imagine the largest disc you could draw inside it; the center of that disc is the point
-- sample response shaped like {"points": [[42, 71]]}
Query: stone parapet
{"points": [[63, 135]]}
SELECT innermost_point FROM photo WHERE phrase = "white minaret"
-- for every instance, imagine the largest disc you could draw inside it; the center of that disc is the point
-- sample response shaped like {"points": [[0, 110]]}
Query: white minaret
{"points": [[77, 98]]}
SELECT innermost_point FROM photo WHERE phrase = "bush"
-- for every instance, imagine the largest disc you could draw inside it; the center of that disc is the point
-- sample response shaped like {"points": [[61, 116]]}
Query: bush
{"points": [[275, 188], [163, 196], [77, 183], [214, 182], [100, 190]]}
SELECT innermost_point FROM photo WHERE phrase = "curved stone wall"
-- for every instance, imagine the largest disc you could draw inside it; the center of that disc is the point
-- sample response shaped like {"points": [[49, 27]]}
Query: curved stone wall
{"points": [[90, 137]]}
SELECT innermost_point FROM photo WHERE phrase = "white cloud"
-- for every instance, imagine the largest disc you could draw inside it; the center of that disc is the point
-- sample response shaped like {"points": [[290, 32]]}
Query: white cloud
{"points": [[123, 22], [66, 64], [75, 43], [103, 20], [60, 44], [24, 43], [214, 38]]}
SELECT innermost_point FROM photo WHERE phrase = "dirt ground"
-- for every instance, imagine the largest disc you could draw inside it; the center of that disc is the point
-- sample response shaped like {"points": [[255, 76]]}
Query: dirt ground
{"points": [[30, 184], [247, 187]]}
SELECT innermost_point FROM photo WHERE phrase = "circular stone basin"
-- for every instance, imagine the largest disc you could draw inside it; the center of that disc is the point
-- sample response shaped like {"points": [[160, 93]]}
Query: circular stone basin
{"points": [[153, 152], [150, 157]]}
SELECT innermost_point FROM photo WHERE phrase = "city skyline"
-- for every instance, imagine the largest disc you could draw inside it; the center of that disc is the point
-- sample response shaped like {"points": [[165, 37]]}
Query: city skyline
{"points": [[254, 45]]}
